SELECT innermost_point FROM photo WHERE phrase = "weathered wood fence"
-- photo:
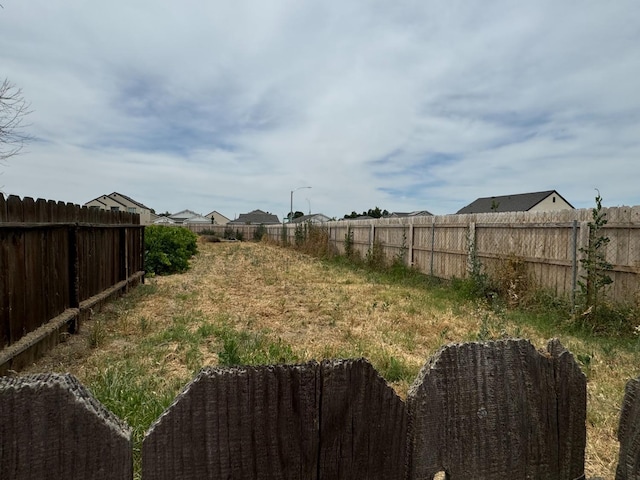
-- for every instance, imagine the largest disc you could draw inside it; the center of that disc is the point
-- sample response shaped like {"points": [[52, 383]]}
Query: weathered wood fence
{"points": [[57, 262], [550, 244], [495, 410]]}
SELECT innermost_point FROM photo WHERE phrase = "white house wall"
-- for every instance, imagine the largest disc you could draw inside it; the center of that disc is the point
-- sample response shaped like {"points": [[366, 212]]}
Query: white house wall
{"points": [[548, 204]]}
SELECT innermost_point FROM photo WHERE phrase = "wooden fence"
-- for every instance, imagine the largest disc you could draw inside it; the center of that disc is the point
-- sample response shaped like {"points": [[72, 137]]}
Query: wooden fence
{"points": [[550, 244], [494, 410], [57, 262]]}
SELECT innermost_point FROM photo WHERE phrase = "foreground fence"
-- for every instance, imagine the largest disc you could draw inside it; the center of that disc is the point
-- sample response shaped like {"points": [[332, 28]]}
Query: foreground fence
{"points": [[495, 410], [549, 244], [57, 261]]}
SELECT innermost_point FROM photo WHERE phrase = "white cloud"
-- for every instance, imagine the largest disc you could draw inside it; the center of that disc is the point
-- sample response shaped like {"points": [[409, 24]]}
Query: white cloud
{"points": [[409, 105]]}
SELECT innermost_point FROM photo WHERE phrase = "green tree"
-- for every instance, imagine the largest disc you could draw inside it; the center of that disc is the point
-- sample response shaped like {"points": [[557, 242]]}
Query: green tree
{"points": [[595, 279], [372, 212]]}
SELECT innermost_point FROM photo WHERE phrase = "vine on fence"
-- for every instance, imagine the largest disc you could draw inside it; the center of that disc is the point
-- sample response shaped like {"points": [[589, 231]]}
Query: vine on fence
{"points": [[401, 256], [348, 243], [479, 284]]}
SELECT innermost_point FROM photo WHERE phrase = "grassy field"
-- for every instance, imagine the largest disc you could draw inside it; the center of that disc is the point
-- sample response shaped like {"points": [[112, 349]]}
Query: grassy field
{"points": [[254, 303]]}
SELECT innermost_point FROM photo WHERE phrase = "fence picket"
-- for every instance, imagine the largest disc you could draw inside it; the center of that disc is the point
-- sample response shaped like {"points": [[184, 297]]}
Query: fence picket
{"points": [[492, 411], [51, 427], [629, 433], [241, 422]]}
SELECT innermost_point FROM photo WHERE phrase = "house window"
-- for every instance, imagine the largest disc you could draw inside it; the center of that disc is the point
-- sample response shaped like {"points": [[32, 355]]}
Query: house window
{"points": [[133, 209], [554, 200], [115, 209]]}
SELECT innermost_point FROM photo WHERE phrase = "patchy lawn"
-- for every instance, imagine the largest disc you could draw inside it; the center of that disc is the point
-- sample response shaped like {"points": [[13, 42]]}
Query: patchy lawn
{"points": [[257, 303]]}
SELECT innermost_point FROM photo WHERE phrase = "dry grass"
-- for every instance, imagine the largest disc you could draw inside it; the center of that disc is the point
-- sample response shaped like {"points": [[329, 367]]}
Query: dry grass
{"points": [[302, 309]]}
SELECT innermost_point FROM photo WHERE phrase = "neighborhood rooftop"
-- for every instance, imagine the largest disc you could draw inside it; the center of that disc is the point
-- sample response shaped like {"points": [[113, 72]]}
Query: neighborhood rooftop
{"points": [[521, 202]]}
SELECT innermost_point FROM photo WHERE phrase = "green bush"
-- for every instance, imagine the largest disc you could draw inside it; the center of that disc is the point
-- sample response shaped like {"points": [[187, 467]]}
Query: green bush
{"points": [[259, 232], [168, 249]]}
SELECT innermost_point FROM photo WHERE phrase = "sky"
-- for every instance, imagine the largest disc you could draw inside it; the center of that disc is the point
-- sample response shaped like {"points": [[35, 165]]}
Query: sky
{"points": [[406, 105]]}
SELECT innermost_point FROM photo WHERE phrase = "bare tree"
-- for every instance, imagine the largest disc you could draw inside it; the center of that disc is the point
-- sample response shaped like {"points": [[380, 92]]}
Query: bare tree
{"points": [[13, 110]]}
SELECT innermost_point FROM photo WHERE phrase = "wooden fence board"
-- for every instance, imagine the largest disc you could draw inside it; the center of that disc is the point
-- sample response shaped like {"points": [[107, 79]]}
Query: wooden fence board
{"points": [[238, 423], [492, 410], [17, 281], [51, 427], [34, 298], [337, 420], [363, 424], [629, 433]]}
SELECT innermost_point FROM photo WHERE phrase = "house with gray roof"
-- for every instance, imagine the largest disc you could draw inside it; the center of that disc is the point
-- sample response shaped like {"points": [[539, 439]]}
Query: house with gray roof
{"points": [[311, 218], [256, 217], [417, 213], [197, 220], [117, 202], [549, 200], [183, 215], [217, 218]]}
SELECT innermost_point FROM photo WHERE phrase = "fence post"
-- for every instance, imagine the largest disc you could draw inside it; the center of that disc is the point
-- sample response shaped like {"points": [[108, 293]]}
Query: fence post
{"points": [[74, 275], [410, 247], [124, 257], [433, 244], [574, 266], [582, 246], [372, 236], [142, 251]]}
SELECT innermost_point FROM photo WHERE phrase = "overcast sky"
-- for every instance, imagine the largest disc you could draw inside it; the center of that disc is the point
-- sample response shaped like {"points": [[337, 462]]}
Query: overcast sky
{"points": [[405, 105]]}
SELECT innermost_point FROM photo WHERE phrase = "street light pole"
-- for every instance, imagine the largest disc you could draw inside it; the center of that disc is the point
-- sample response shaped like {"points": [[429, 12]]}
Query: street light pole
{"points": [[291, 205]]}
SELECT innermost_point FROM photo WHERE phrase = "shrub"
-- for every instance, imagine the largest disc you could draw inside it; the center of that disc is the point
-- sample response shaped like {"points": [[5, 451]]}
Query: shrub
{"points": [[229, 234], [168, 249], [259, 232], [512, 281], [300, 234], [208, 232], [375, 257], [348, 244], [317, 241]]}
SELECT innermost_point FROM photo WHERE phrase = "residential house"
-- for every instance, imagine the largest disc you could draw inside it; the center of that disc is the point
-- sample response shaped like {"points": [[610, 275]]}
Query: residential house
{"points": [[311, 218], [117, 202], [548, 200], [164, 221], [256, 217], [197, 220], [417, 213], [217, 218], [183, 215]]}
